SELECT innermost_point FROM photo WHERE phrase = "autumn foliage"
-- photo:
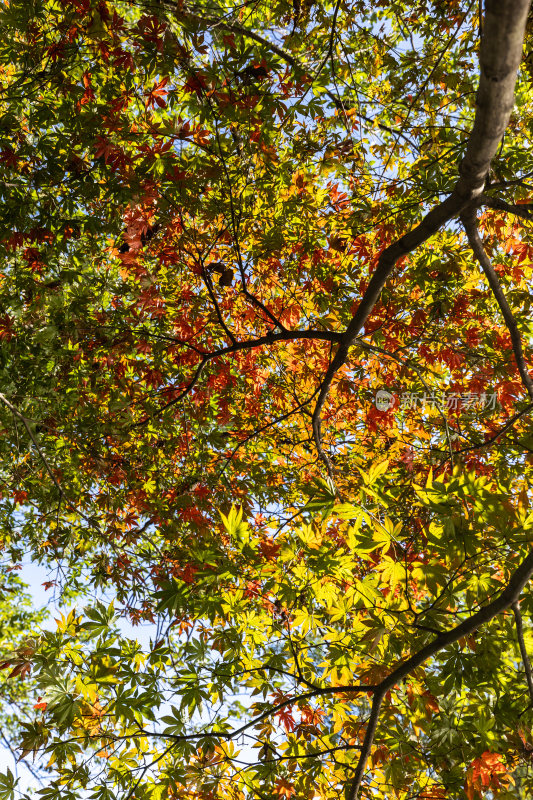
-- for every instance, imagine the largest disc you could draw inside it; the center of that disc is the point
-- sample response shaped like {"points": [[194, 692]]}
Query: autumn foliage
{"points": [[265, 340]]}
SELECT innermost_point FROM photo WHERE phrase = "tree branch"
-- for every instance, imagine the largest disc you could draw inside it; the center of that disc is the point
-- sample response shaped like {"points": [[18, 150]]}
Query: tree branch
{"points": [[263, 428], [190, 386], [249, 344], [522, 210], [232, 734], [284, 55], [509, 424], [30, 433], [468, 218], [505, 599], [501, 51], [523, 651]]}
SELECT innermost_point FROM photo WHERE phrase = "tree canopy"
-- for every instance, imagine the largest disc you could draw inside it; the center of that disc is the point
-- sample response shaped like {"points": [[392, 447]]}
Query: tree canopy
{"points": [[265, 337]]}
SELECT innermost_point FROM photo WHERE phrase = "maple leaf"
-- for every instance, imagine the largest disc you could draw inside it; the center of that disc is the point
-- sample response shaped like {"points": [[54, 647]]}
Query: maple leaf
{"points": [[487, 771], [123, 59], [157, 94], [284, 788], [88, 93], [151, 161], [430, 704], [269, 549], [150, 29], [196, 83]]}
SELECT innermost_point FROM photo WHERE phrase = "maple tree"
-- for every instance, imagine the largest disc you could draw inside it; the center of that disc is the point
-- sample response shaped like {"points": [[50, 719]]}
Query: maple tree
{"points": [[264, 346]]}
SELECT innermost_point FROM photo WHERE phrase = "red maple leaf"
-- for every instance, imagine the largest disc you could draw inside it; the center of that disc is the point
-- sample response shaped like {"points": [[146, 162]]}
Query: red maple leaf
{"points": [[157, 94], [196, 83], [269, 549]]}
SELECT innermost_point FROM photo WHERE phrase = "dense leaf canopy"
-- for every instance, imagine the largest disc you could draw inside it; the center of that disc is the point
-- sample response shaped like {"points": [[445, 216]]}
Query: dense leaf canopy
{"points": [[265, 300]]}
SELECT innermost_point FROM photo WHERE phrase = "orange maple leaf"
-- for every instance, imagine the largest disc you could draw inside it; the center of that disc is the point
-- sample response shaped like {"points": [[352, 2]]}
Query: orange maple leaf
{"points": [[284, 788], [486, 772]]}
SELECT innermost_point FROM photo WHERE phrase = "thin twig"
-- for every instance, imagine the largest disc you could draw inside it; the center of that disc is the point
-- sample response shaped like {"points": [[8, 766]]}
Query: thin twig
{"points": [[190, 386]]}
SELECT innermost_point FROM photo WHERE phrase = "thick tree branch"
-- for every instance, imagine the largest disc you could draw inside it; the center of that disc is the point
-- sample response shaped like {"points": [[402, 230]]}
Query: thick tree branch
{"points": [[468, 218], [371, 727], [501, 51], [505, 599]]}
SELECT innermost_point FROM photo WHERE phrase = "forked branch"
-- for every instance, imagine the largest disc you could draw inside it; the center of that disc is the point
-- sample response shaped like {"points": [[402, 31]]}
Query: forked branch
{"points": [[501, 52]]}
